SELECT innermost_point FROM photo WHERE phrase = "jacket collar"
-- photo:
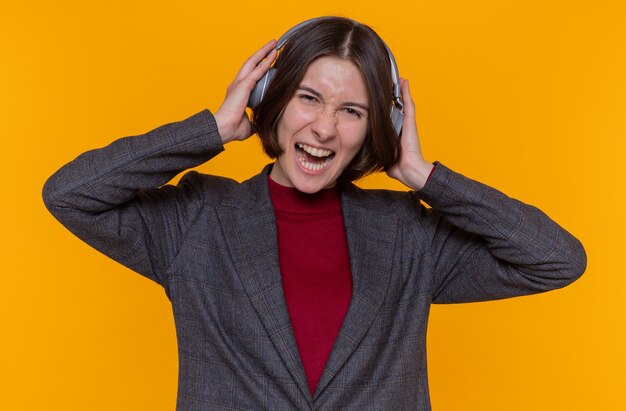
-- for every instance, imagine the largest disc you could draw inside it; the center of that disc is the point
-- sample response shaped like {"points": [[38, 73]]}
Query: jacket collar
{"points": [[249, 225]]}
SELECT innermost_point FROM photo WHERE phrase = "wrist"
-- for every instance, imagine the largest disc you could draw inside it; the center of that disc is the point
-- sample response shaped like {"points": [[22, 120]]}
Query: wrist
{"points": [[223, 128], [418, 174]]}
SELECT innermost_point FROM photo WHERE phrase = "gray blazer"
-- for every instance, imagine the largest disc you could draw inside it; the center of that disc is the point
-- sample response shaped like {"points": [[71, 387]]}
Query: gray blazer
{"points": [[211, 243]]}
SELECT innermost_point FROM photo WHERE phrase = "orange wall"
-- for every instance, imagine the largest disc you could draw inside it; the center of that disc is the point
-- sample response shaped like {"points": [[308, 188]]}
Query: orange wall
{"points": [[530, 98]]}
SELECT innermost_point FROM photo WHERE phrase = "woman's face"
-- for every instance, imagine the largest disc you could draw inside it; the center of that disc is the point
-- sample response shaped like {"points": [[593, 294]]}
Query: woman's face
{"points": [[323, 126]]}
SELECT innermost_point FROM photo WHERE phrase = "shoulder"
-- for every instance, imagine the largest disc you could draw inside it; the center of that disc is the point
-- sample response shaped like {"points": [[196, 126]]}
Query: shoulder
{"points": [[217, 190], [376, 199], [207, 182], [418, 225], [405, 205], [209, 188]]}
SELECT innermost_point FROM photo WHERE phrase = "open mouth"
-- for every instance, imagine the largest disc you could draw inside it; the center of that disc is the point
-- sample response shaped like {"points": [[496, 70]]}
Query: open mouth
{"points": [[313, 159]]}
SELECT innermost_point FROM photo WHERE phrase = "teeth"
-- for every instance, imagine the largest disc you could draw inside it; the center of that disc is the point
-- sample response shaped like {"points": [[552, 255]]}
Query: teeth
{"points": [[311, 166], [316, 152]]}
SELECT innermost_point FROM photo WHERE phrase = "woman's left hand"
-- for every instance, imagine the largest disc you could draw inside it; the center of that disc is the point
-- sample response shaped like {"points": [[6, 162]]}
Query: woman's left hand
{"points": [[411, 169]]}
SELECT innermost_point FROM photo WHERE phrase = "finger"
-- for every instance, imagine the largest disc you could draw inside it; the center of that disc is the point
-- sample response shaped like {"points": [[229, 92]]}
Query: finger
{"points": [[409, 126], [255, 59], [263, 66], [409, 105]]}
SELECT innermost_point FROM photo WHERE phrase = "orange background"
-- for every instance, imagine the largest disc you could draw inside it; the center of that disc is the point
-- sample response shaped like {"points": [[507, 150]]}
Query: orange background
{"points": [[529, 97]]}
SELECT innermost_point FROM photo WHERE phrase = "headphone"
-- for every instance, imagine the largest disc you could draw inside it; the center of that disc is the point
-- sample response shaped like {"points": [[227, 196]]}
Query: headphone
{"points": [[397, 108]]}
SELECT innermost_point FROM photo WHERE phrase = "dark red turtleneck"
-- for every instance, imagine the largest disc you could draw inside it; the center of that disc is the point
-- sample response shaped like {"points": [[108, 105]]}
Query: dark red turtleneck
{"points": [[315, 269]]}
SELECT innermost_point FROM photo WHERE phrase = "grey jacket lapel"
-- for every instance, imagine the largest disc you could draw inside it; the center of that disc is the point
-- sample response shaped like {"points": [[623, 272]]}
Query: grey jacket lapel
{"points": [[371, 241], [249, 225]]}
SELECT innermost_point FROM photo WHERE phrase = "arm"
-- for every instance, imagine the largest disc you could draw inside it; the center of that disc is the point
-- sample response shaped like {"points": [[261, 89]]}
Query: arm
{"points": [[110, 197], [114, 199], [485, 245], [488, 246]]}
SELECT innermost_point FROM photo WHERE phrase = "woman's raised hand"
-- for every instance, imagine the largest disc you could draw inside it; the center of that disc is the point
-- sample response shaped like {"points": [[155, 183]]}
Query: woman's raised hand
{"points": [[231, 118], [411, 169]]}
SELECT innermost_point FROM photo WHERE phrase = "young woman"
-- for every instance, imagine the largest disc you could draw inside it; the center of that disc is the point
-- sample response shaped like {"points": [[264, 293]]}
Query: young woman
{"points": [[296, 289]]}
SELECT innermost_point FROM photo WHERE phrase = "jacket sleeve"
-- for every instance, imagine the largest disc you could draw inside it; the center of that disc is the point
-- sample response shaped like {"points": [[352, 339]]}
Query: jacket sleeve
{"points": [[115, 200], [488, 246]]}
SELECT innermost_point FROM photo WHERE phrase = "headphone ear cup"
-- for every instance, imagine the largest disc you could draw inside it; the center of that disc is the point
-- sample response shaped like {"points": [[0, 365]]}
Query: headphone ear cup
{"points": [[397, 118], [260, 88]]}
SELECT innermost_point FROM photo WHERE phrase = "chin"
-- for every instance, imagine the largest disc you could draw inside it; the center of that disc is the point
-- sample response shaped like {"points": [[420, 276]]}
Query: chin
{"points": [[311, 187]]}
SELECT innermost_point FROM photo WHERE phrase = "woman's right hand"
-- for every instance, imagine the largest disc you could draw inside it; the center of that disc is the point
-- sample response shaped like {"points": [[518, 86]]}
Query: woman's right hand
{"points": [[231, 118]]}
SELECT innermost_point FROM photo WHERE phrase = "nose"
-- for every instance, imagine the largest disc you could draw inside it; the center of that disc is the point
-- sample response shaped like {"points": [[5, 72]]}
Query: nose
{"points": [[325, 125]]}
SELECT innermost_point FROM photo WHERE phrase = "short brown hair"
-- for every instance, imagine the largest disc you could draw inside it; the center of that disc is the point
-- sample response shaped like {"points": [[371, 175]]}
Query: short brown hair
{"points": [[352, 41]]}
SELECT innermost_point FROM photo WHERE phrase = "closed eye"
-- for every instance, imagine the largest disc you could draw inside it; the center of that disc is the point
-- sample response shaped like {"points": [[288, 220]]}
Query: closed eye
{"points": [[307, 98]]}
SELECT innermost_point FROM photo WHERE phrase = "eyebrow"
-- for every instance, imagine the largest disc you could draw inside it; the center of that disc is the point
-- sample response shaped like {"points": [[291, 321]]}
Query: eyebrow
{"points": [[346, 103]]}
